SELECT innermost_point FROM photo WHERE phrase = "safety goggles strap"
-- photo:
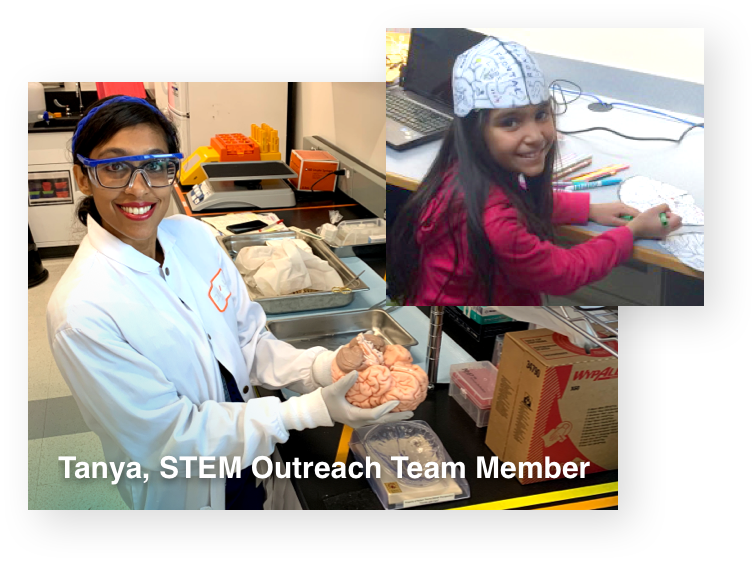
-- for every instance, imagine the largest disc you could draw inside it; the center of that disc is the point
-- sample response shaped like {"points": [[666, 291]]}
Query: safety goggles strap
{"points": [[92, 163]]}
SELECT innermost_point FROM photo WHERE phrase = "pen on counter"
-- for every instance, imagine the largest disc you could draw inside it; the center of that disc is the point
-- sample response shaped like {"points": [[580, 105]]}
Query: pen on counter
{"points": [[588, 175], [269, 226], [601, 173], [305, 233], [568, 184], [579, 186]]}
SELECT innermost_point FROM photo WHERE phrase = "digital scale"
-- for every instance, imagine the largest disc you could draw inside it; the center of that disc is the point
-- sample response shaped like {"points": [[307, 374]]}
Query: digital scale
{"points": [[254, 184]]}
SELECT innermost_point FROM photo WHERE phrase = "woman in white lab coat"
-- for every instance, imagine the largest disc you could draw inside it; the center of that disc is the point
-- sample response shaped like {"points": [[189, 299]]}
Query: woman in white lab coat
{"points": [[152, 329]]}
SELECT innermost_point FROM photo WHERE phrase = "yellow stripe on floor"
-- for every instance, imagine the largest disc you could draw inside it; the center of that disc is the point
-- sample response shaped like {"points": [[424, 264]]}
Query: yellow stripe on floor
{"points": [[548, 497], [599, 503]]}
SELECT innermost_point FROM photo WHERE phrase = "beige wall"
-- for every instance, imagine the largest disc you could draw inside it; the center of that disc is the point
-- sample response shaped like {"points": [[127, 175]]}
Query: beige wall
{"points": [[350, 115], [674, 53]]}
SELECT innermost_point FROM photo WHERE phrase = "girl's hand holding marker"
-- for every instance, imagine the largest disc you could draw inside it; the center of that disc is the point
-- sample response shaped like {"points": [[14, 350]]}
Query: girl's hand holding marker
{"points": [[657, 222]]}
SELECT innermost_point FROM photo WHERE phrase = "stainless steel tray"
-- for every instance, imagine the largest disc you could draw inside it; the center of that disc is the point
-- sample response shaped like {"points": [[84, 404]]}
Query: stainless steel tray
{"points": [[358, 250], [306, 301], [338, 329]]}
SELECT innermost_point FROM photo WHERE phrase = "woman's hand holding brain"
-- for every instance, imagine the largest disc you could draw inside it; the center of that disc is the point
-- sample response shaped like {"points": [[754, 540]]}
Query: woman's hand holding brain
{"points": [[385, 372]]}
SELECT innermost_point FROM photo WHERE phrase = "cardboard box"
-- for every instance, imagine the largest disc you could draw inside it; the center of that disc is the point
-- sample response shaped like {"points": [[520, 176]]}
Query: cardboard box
{"points": [[310, 166], [553, 399]]}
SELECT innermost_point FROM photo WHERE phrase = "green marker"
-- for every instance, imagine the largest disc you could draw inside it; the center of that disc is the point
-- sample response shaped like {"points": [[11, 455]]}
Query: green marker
{"points": [[662, 217]]}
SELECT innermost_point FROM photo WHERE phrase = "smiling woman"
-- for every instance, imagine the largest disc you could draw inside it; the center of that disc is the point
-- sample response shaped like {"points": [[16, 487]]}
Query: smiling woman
{"points": [[155, 334], [127, 198]]}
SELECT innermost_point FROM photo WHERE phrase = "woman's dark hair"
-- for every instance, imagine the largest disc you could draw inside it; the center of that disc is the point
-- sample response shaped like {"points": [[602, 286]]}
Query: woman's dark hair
{"points": [[104, 125], [477, 172]]}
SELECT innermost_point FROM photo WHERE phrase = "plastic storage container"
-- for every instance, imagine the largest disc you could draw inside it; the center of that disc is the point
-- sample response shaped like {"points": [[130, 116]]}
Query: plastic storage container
{"points": [[472, 386], [417, 443], [365, 231], [498, 346]]}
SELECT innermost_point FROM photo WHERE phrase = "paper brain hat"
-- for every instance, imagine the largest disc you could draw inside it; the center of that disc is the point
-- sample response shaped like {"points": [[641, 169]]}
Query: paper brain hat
{"points": [[496, 74]]}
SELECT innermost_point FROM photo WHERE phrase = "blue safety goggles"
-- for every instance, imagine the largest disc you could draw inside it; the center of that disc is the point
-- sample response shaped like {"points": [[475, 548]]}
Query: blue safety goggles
{"points": [[158, 170]]}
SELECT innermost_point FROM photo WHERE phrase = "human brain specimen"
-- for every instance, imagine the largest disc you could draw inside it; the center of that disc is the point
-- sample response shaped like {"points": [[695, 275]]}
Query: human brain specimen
{"points": [[385, 373]]}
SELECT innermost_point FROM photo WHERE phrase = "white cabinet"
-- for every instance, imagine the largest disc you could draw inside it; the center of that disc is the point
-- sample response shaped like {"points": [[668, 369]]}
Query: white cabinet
{"points": [[52, 192]]}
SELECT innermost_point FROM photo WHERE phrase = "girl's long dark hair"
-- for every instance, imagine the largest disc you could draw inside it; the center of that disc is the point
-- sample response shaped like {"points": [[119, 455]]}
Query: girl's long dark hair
{"points": [[477, 173]]}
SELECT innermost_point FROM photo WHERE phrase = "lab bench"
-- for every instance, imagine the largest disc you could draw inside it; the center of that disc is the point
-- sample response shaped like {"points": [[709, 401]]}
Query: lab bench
{"points": [[308, 213], [461, 438]]}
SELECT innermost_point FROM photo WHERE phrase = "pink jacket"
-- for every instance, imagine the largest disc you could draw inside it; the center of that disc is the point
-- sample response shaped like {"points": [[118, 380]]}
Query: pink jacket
{"points": [[525, 266]]}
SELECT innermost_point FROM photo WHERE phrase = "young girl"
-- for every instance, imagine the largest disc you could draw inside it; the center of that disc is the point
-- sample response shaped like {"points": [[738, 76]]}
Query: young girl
{"points": [[155, 334], [480, 228]]}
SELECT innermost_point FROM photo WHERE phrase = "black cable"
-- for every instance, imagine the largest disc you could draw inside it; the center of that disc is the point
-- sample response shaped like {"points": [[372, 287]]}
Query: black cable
{"points": [[629, 137], [557, 87], [304, 194], [564, 103], [334, 173]]}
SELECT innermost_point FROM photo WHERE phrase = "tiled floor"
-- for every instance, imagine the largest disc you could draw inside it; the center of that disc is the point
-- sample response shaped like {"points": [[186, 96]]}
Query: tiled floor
{"points": [[56, 427]]}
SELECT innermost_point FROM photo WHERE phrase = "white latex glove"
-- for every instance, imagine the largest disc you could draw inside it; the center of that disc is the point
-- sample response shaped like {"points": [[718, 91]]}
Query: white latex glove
{"points": [[342, 411], [321, 368]]}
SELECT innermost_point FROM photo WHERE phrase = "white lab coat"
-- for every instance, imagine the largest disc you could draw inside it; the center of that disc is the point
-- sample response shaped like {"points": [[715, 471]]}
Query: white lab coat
{"points": [[138, 346]]}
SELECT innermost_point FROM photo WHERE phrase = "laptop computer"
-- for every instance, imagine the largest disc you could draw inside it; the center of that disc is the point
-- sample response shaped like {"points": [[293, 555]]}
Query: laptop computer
{"points": [[422, 109]]}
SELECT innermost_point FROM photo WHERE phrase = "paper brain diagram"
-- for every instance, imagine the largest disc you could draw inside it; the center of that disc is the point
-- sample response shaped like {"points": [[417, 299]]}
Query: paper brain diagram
{"points": [[687, 244]]}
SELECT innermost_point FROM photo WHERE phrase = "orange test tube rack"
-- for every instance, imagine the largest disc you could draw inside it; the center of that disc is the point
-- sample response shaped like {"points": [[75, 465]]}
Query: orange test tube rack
{"points": [[235, 147]]}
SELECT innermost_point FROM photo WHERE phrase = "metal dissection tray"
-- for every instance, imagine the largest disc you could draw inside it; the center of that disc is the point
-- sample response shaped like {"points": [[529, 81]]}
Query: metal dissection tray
{"points": [[305, 301], [359, 250], [338, 329]]}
